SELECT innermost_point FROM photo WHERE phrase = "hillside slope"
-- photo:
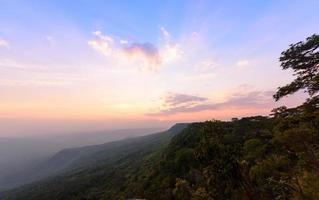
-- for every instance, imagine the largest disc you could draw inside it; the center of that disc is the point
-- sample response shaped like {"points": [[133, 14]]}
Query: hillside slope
{"points": [[249, 158], [96, 157], [148, 171], [24, 160]]}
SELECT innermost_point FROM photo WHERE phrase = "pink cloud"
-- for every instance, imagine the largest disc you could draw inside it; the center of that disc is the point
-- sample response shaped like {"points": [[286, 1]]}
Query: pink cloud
{"points": [[145, 51], [145, 55], [189, 104]]}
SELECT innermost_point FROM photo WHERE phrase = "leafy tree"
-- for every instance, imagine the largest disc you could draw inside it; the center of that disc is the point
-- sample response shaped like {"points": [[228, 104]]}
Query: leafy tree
{"points": [[297, 130], [182, 190], [253, 149], [303, 59], [200, 194]]}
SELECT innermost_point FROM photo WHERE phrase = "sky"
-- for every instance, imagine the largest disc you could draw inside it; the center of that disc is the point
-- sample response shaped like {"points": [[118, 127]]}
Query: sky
{"points": [[80, 64]]}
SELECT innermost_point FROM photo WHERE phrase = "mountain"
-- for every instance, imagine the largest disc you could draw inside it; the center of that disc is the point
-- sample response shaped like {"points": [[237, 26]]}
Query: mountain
{"points": [[143, 167], [20, 158], [249, 158], [95, 159]]}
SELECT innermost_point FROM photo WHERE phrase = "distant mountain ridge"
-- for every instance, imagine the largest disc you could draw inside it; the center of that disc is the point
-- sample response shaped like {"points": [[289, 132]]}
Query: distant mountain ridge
{"points": [[19, 155], [239, 159], [83, 157]]}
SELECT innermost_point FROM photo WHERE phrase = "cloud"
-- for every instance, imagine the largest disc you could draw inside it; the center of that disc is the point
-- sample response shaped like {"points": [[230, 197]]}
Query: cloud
{"points": [[206, 66], [243, 63], [147, 56], [165, 33], [102, 44], [175, 99], [253, 99], [4, 43], [146, 51], [123, 41]]}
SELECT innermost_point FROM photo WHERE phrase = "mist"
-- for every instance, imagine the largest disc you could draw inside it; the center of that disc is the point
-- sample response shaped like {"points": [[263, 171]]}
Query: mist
{"points": [[25, 144], [24, 127]]}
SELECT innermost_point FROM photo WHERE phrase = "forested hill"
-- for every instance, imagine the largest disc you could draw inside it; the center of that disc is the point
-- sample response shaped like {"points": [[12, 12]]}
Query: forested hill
{"points": [[81, 167], [243, 159]]}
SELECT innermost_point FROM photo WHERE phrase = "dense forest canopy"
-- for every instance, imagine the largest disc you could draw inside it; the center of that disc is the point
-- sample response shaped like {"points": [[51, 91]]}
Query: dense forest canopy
{"points": [[251, 158]]}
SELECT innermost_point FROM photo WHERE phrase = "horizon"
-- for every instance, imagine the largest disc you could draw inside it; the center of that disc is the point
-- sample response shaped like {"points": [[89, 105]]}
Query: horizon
{"points": [[80, 66]]}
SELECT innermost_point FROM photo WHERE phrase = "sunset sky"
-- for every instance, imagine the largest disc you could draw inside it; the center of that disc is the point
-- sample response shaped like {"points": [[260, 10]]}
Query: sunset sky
{"points": [[144, 63]]}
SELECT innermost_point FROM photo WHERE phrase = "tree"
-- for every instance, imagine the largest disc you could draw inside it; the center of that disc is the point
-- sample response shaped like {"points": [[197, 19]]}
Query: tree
{"points": [[182, 189], [303, 59], [297, 129], [200, 194]]}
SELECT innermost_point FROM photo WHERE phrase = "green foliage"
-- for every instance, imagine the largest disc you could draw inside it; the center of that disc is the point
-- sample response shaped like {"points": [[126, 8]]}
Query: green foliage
{"points": [[303, 59], [253, 149], [200, 194], [182, 190]]}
